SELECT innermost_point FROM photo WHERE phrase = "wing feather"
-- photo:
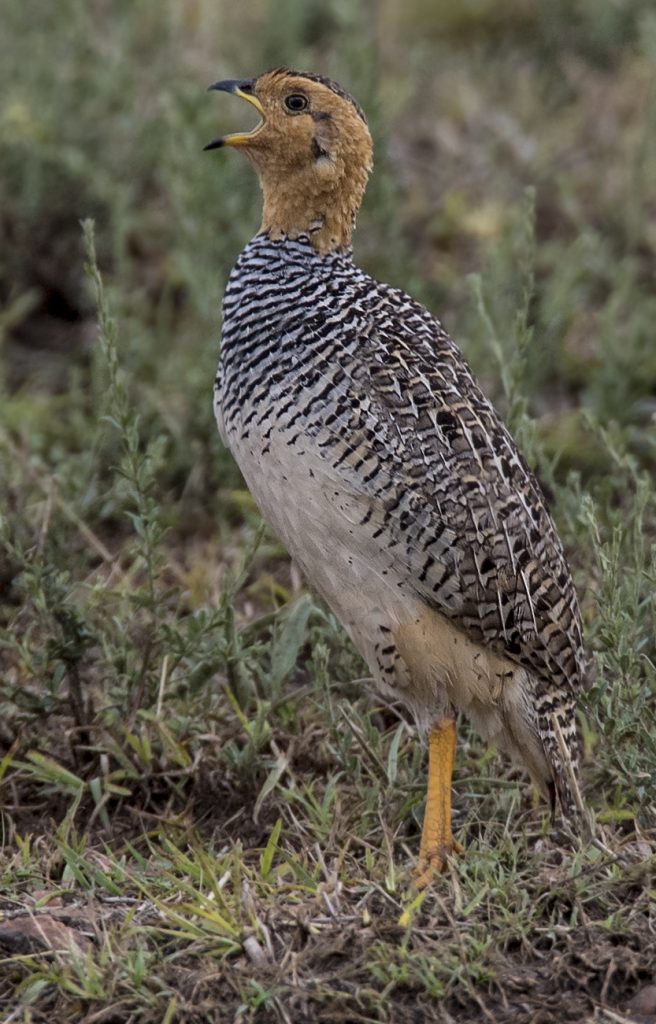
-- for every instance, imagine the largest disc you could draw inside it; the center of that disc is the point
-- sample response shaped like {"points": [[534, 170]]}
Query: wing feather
{"points": [[440, 482]]}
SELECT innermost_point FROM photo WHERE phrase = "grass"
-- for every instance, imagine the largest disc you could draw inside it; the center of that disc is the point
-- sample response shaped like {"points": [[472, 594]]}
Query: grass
{"points": [[205, 813]]}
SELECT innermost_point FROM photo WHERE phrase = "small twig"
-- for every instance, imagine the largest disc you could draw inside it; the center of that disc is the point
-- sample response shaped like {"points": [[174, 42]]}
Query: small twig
{"points": [[80, 714], [45, 525], [616, 1018], [143, 673], [75, 694], [162, 685], [47, 484], [571, 777], [254, 951], [365, 747]]}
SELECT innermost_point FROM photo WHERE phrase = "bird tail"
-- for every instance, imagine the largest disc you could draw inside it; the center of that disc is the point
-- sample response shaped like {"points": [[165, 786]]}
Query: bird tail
{"points": [[561, 743]]}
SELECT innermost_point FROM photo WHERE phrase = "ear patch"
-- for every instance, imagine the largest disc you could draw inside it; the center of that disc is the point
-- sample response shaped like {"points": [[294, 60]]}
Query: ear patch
{"points": [[325, 134], [318, 151]]}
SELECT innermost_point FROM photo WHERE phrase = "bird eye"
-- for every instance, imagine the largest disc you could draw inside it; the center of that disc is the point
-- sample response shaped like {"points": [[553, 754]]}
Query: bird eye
{"points": [[296, 102]]}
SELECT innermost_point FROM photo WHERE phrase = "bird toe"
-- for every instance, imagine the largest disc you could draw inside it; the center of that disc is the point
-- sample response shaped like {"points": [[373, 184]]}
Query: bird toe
{"points": [[434, 862]]}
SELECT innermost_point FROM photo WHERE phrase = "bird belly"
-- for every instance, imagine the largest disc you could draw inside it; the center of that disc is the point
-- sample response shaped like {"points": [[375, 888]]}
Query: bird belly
{"points": [[331, 552], [414, 653]]}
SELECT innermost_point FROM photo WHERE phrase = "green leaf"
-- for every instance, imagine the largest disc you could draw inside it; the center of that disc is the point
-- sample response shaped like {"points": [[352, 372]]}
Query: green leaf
{"points": [[270, 849], [270, 783], [289, 641], [393, 756]]}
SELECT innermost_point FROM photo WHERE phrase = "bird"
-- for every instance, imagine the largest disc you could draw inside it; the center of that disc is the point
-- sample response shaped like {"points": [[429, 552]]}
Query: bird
{"points": [[374, 455]]}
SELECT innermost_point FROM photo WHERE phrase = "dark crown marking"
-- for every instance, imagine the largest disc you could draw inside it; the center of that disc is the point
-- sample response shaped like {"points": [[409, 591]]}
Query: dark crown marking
{"points": [[322, 80]]}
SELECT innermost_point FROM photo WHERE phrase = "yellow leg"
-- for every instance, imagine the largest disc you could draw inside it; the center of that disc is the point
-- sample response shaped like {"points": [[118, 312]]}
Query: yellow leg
{"points": [[437, 840]]}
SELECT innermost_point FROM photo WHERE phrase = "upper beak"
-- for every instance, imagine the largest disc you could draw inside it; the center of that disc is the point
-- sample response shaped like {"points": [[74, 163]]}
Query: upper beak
{"points": [[244, 88]]}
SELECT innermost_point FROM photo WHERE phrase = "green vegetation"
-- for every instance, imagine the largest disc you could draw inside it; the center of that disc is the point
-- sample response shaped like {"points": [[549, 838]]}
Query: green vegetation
{"points": [[205, 814]]}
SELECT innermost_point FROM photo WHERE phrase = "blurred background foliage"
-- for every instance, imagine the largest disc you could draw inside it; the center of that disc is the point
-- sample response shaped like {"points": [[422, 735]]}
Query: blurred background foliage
{"points": [[155, 659], [103, 115], [513, 193]]}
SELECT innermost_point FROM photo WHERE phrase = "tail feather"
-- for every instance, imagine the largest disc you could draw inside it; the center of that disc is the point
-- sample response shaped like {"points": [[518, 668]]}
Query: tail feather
{"points": [[561, 743]]}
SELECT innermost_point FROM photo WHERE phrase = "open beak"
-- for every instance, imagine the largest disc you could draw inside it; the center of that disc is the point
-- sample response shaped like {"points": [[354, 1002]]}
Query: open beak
{"points": [[243, 88]]}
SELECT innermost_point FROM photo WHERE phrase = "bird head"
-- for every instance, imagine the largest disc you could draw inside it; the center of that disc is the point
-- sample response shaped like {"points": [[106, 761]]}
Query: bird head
{"points": [[312, 151]]}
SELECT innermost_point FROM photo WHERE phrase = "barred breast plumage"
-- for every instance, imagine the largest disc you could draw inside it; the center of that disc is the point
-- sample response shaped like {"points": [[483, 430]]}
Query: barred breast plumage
{"points": [[375, 456]]}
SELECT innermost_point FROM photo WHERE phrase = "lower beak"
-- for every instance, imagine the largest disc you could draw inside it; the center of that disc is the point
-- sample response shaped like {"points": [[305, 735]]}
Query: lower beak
{"points": [[243, 88]]}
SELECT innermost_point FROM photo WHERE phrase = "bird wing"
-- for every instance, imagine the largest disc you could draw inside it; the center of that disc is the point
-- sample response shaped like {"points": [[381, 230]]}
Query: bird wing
{"points": [[439, 482]]}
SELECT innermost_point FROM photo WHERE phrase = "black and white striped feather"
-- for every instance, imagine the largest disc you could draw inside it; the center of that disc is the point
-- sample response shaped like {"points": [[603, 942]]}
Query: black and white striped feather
{"points": [[368, 382]]}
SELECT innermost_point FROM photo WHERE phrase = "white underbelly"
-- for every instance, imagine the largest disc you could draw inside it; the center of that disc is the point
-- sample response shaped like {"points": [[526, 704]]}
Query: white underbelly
{"points": [[320, 529], [320, 523]]}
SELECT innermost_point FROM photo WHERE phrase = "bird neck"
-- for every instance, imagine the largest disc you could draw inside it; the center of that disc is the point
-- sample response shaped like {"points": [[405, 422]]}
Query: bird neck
{"points": [[329, 227], [316, 204]]}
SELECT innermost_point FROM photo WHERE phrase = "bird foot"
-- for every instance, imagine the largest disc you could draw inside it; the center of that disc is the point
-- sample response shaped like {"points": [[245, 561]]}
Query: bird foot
{"points": [[433, 862]]}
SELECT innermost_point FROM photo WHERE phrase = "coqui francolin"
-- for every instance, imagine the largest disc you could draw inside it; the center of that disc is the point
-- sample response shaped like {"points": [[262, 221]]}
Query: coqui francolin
{"points": [[374, 455]]}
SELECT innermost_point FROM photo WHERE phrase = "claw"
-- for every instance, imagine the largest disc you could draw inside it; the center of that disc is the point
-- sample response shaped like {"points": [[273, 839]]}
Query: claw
{"points": [[433, 863]]}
